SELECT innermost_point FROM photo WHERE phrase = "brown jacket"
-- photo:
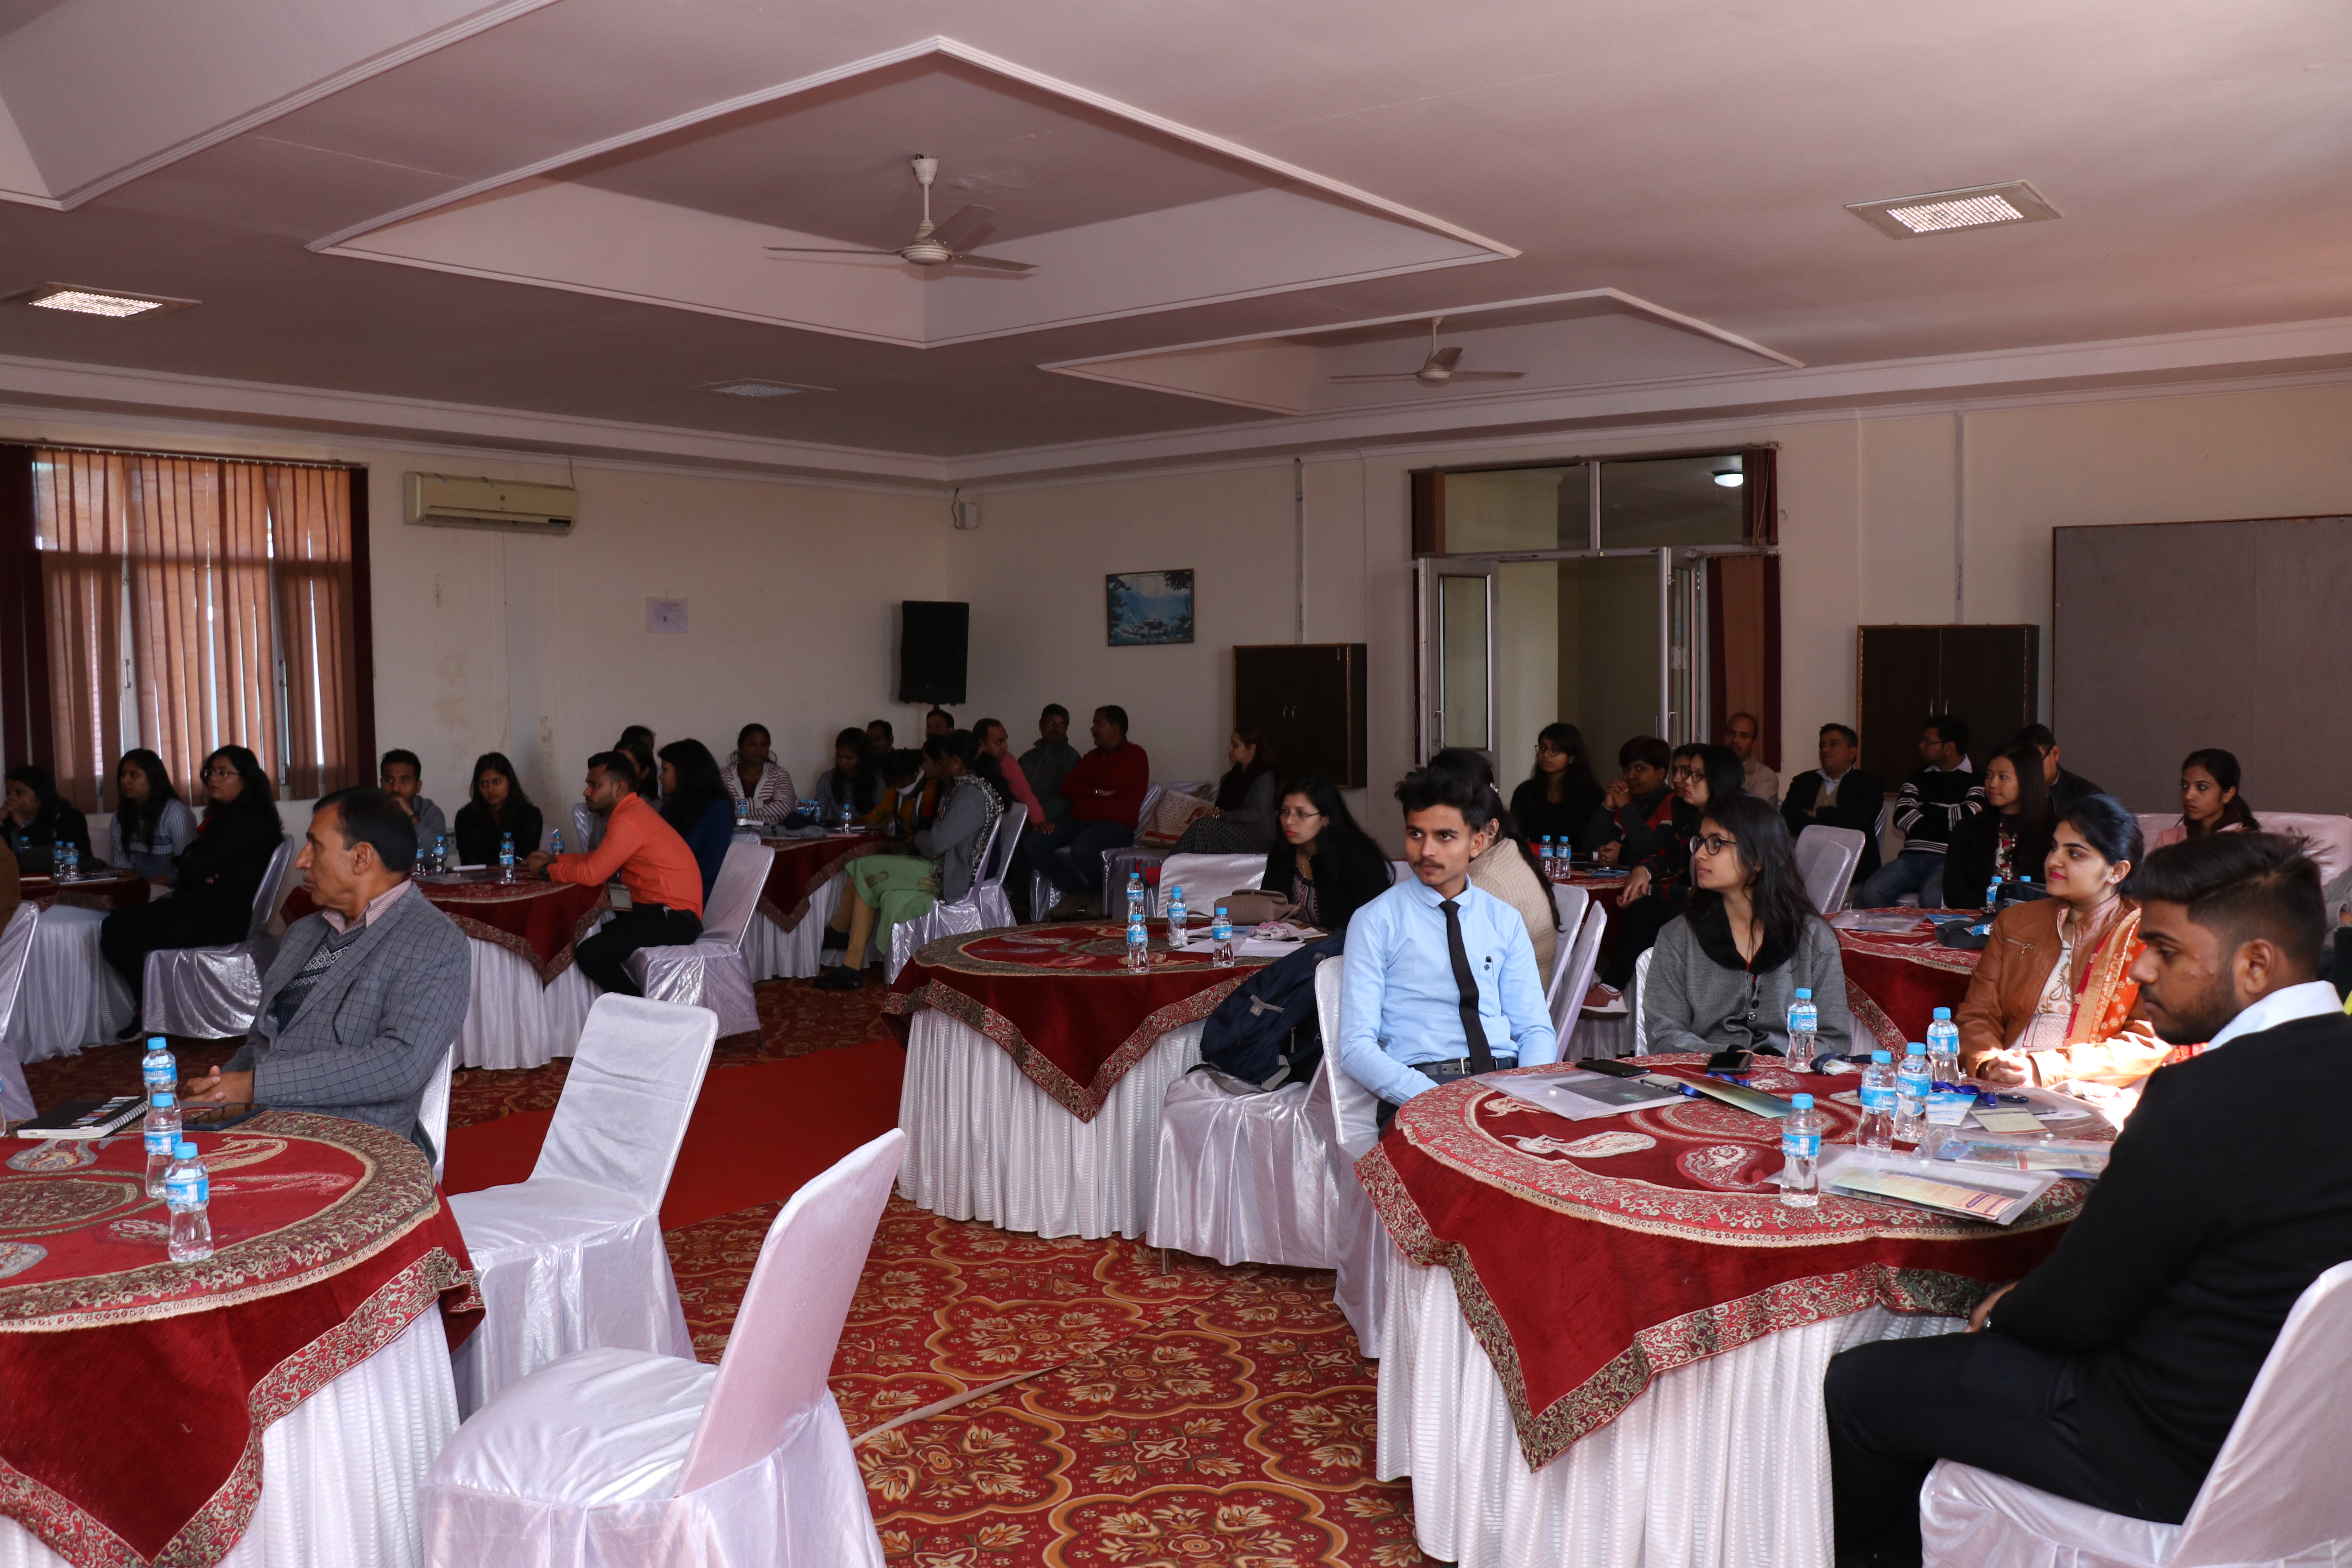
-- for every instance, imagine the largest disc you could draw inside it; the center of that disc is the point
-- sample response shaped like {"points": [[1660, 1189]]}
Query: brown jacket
{"points": [[2007, 987]]}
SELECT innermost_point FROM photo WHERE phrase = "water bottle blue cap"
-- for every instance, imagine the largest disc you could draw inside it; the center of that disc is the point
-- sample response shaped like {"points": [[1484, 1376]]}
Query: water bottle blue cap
{"points": [[183, 1151], [1805, 992], [1801, 1102], [1176, 891], [1221, 909], [1882, 1054], [157, 1043], [1943, 1014]]}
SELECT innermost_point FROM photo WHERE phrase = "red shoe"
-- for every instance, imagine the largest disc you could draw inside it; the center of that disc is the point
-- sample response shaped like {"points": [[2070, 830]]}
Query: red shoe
{"points": [[1603, 997]]}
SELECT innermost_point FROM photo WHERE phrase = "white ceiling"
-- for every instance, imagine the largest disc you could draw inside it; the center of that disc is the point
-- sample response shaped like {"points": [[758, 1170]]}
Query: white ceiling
{"points": [[1694, 156]]}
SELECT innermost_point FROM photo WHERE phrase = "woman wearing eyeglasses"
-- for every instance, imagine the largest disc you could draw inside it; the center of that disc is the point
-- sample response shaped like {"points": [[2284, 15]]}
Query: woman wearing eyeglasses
{"points": [[1660, 885], [1725, 973], [1327, 866]]}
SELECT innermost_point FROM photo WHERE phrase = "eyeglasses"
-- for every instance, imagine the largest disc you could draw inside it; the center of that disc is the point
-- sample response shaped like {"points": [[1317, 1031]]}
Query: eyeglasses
{"points": [[1712, 844], [222, 772], [1298, 814], [1688, 773]]}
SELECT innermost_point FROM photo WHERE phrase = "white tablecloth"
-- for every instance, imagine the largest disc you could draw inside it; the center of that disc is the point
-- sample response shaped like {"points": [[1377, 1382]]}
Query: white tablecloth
{"points": [[983, 1143], [340, 1473], [1721, 1464], [775, 953], [71, 997], [512, 1020]]}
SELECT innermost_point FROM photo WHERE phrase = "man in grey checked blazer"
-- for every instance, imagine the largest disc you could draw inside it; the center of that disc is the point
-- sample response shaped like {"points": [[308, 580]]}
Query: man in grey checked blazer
{"points": [[365, 996]]}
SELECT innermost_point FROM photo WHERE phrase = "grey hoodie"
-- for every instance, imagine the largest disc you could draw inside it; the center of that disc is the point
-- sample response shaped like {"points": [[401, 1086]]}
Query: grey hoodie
{"points": [[1696, 999]]}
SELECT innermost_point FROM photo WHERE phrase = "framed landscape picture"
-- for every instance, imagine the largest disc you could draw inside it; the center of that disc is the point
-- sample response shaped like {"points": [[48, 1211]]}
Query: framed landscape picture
{"points": [[1149, 607]]}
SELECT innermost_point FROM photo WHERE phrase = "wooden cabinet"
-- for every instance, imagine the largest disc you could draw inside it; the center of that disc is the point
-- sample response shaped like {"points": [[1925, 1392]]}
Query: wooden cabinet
{"points": [[1307, 699], [1985, 675]]}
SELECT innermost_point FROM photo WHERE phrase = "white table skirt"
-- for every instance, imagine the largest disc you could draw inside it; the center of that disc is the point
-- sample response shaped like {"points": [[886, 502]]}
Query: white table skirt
{"points": [[340, 1472], [775, 953], [1720, 1464], [983, 1143], [512, 1020], [71, 997]]}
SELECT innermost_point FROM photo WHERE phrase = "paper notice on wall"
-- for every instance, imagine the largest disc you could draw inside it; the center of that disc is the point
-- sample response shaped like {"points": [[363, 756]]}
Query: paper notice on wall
{"points": [[666, 615]]}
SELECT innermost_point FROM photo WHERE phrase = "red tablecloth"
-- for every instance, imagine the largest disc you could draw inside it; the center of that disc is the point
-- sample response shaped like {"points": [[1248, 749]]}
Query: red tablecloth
{"points": [[1589, 1257], [1896, 980], [1605, 890], [111, 892], [538, 922], [1060, 999], [802, 866], [137, 1389]]}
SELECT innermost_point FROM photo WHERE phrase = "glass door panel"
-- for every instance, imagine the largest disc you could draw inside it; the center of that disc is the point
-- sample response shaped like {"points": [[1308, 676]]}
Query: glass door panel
{"points": [[1464, 692]]}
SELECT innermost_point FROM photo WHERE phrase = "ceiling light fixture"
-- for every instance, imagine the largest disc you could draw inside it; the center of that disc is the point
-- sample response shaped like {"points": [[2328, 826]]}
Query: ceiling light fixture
{"points": [[1949, 212], [84, 302], [757, 386], [1730, 479]]}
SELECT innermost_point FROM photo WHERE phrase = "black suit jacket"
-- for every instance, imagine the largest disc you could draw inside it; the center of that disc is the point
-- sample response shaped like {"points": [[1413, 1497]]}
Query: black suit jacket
{"points": [[1860, 798], [2229, 1193]]}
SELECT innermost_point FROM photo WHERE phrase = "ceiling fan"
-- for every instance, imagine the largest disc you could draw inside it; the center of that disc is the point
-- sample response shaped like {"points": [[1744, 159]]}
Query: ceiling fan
{"points": [[1438, 369], [933, 244]]}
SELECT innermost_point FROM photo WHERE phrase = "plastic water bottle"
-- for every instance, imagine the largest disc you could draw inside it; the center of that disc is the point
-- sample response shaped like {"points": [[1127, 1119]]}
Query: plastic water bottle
{"points": [[1137, 908], [1221, 939], [1139, 943], [1801, 1155], [845, 818], [1549, 856], [506, 857], [1178, 917], [67, 862], [1911, 1086], [1992, 894], [742, 810], [555, 843], [188, 1194], [162, 1134], [1877, 1128], [1944, 1050], [416, 868], [440, 854], [1804, 1026], [159, 1069]]}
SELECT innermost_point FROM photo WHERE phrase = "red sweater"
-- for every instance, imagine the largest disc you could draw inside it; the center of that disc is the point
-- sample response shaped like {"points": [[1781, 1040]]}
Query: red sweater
{"points": [[1126, 773]]}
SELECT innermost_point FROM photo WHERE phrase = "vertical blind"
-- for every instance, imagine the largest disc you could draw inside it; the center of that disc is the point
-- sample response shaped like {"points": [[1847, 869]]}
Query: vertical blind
{"points": [[195, 603]]}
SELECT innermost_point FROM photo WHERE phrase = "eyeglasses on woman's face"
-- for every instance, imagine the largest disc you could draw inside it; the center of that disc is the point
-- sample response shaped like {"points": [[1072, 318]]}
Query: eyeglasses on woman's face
{"points": [[220, 771], [1301, 814], [1712, 844], [1684, 774]]}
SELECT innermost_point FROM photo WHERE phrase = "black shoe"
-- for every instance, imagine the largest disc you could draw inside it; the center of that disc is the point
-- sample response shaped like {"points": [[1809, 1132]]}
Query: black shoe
{"points": [[834, 940], [129, 1031], [841, 977]]}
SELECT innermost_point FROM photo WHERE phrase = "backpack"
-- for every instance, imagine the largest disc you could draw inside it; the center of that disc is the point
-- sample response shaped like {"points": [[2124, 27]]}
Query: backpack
{"points": [[1265, 1034]]}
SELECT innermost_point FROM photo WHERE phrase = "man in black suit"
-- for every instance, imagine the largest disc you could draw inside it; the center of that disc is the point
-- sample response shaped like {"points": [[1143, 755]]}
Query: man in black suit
{"points": [[2065, 788], [2111, 1373], [1838, 795]]}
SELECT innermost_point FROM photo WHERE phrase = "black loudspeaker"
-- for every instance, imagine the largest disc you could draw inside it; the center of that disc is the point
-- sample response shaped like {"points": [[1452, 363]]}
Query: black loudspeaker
{"points": [[932, 635]]}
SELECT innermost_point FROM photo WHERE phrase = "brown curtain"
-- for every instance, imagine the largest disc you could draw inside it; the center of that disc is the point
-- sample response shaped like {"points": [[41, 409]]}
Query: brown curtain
{"points": [[318, 641], [79, 530]]}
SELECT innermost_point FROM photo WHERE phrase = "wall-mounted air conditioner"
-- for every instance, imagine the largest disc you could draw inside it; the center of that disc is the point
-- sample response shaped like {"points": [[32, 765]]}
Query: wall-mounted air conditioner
{"points": [[446, 501]]}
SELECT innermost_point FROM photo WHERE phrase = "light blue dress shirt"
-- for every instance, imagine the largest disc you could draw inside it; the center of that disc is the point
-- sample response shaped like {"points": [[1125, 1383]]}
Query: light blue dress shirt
{"points": [[1401, 1004]]}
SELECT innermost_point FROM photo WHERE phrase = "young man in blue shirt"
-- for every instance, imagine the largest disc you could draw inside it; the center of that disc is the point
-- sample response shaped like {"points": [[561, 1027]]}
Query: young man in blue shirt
{"points": [[1441, 977]]}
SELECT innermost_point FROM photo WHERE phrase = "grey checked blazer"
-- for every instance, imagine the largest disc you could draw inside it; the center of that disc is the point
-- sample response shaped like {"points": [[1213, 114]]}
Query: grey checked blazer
{"points": [[370, 1034]]}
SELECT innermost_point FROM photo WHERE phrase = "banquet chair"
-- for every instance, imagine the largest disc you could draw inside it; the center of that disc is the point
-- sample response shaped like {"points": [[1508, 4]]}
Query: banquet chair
{"points": [[572, 1259], [547, 831], [1350, 1116], [1826, 858], [1245, 1177], [15, 948], [712, 971], [971, 913], [2273, 1497], [211, 993], [1633, 1004], [1583, 958], [584, 829], [1205, 878], [613, 1459], [433, 1111]]}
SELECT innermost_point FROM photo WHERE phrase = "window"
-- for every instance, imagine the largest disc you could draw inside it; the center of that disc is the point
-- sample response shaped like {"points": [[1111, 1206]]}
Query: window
{"points": [[194, 603]]}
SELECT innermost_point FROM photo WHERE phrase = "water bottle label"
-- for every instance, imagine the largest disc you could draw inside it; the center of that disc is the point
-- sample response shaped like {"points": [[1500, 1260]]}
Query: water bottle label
{"points": [[188, 1189], [162, 1075], [1801, 1146], [1877, 1098], [1915, 1085], [163, 1141]]}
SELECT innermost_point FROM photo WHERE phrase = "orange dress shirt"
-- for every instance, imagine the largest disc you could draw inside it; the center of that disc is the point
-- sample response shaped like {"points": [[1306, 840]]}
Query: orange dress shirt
{"points": [[652, 860]]}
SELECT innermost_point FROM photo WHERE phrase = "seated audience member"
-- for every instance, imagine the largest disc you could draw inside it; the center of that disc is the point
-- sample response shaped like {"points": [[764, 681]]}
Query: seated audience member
{"points": [[940, 861], [642, 758], [37, 819], [1743, 733], [1104, 789], [2111, 1373], [2051, 998], [1441, 980], [1326, 866], [753, 774], [695, 802], [497, 809], [2210, 801], [1045, 763], [880, 736], [1838, 795], [153, 827], [855, 780], [1660, 885], [997, 741], [402, 777], [2009, 839], [1242, 822], [220, 875], [1509, 868], [937, 722], [908, 795], [1619, 832], [1558, 800], [366, 996], [1723, 972], [1935, 801], [653, 863], [2065, 788]]}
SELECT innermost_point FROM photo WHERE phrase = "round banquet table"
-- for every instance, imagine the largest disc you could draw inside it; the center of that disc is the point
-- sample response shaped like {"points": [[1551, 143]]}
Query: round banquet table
{"points": [[1895, 981], [278, 1403], [111, 890], [1604, 1339], [803, 889], [528, 1002], [1035, 1068]]}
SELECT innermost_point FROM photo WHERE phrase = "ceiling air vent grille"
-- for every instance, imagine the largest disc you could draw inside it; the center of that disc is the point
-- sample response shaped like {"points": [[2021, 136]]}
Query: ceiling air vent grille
{"points": [[1949, 212]]}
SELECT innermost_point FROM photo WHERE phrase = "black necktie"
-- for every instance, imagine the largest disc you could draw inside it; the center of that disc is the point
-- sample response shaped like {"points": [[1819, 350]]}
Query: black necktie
{"points": [[1481, 1058]]}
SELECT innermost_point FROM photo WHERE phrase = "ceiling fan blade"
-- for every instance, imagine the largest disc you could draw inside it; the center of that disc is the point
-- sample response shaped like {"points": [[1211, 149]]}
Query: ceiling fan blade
{"points": [[1446, 358], [962, 228], [822, 250], [1487, 374], [990, 264], [1396, 375]]}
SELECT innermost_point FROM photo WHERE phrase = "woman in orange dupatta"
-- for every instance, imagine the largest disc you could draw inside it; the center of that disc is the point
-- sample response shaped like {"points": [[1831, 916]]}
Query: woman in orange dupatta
{"points": [[2053, 997]]}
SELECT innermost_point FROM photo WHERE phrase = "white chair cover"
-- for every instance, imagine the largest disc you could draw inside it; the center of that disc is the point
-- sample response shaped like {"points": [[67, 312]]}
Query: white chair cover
{"points": [[908, 938], [1583, 952], [1641, 1025], [1568, 908], [1826, 858], [15, 948], [2273, 1498], [1243, 1178], [622, 1459], [433, 1112], [71, 997], [710, 972], [587, 828], [775, 953], [1723, 1463], [211, 993], [1205, 878], [1349, 1115], [514, 1021], [574, 1258], [547, 831], [983, 1143]]}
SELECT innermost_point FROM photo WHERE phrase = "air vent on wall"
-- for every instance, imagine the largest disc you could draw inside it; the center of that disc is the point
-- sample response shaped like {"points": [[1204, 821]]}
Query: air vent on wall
{"points": [[758, 387], [446, 500], [1946, 212]]}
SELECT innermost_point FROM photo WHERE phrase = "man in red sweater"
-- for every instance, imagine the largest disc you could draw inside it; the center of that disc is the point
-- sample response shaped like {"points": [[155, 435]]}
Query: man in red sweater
{"points": [[1106, 794]]}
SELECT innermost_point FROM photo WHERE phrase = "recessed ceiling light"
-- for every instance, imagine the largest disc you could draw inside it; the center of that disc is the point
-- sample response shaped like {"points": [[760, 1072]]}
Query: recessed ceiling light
{"points": [[1946, 212], [95, 302], [756, 387]]}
